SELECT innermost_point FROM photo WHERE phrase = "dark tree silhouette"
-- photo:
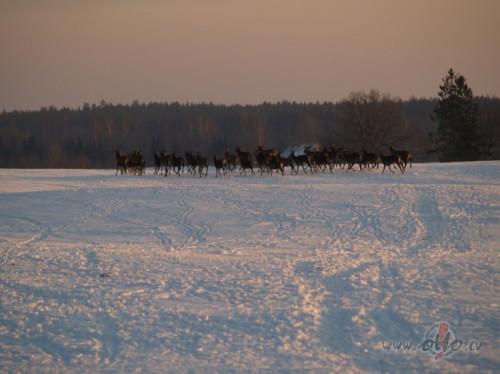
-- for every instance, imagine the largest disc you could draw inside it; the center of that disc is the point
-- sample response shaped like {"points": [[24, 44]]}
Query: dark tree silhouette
{"points": [[457, 114], [370, 121], [87, 137], [489, 127]]}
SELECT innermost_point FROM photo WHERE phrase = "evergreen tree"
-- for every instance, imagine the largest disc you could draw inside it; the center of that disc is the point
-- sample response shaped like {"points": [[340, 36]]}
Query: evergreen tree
{"points": [[457, 114]]}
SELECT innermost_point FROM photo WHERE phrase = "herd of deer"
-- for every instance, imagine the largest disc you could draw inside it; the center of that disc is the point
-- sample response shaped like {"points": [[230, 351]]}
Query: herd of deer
{"points": [[266, 160], [130, 163]]}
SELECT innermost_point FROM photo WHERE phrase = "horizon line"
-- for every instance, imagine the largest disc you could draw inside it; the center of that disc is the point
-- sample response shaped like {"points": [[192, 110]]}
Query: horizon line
{"points": [[103, 102]]}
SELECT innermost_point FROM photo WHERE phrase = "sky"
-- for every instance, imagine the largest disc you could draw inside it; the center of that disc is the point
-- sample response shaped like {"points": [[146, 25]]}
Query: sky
{"points": [[66, 53]]}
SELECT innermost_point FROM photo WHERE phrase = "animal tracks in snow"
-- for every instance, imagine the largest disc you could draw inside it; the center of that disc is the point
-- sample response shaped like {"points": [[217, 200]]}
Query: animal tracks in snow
{"points": [[103, 273]]}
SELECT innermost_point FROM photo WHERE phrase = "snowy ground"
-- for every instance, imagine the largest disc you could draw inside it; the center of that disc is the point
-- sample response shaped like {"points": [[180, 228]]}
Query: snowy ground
{"points": [[101, 272]]}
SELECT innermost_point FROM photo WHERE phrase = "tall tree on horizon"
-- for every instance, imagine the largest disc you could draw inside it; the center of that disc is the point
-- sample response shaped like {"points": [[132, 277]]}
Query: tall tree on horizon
{"points": [[457, 115]]}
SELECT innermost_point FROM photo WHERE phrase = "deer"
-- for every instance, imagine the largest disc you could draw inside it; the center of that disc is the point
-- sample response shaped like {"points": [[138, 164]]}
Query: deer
{"points": [[261, 156], [121, 163], [246, 164], [352, 158], [405, 156], [135, 162], [202, 163], [157, 161], [192, 162], [261, 160], [243, 155], [369, 159], [219, 165], [289, 162], [389, 160], [332, 156], [318, 160], [266, 151], [165, 163], [244, 158], [275, 162], [229, 161], [176, 163], [338, 152], [301, 161]]}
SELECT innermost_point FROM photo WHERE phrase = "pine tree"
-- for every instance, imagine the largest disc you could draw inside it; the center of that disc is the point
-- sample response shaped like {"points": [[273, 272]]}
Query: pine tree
{"points": [[456, 114]]}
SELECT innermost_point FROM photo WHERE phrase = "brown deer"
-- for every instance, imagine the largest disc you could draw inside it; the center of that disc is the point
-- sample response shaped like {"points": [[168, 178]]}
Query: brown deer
{"points": [[301, 161], [332, 155], [164, 162], [121, 163], [243, 155], [219, 165], [191, 162], [405, 156], [157, 161], [389, 160], [317, 160], [136, 163], [369, 160], [229, 161], [176, 163], [290, 163], [275, 162], [352, 158], [261, 155], [244, 159], [246, 164], [202, 163]]}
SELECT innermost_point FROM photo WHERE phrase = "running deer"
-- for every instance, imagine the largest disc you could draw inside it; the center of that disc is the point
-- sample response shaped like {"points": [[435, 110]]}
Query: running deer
{"points": [[389, 160], [219, 167], [405, 156]]}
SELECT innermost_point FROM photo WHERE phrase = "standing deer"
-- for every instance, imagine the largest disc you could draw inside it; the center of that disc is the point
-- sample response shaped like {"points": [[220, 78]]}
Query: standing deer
{"points": [[157, 160], [229, 161], [244, 159], [121, 163], [243, 155]]}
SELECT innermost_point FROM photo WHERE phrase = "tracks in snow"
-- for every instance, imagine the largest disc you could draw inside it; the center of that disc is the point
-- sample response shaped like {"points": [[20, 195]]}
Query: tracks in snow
{"points": [[269, 273]]}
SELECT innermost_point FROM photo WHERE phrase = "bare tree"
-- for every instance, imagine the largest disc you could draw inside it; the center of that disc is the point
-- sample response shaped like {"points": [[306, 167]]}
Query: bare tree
{"points": [[370, 120]]}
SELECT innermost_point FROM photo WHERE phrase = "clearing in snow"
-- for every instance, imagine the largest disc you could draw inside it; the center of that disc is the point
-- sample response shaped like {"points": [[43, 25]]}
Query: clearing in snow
{"points": [[346, 272]]}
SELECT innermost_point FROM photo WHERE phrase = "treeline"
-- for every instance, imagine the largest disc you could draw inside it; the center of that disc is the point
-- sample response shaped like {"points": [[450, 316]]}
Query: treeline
{"points": [[87, 137]]}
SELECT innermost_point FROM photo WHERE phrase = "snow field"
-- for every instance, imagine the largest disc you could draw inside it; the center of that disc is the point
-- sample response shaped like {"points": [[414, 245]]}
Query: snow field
{"points": [[101, 272]]}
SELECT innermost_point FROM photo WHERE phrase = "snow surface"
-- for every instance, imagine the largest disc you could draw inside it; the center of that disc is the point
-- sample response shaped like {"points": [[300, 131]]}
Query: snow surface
{"points": [[113, 273]]}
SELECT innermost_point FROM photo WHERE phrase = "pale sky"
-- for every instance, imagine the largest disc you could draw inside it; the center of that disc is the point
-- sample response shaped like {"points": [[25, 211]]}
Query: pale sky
{"points": [[65, 53]]}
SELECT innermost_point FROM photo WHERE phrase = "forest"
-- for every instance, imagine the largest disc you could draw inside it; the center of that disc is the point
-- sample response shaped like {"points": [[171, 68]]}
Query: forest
{"points": [[87, 137]]}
